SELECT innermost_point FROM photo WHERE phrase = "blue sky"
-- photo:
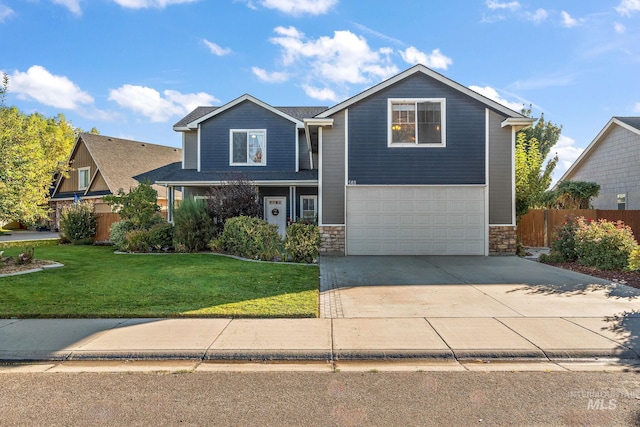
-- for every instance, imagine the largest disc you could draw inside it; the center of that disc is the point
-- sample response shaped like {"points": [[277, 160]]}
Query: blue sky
{"points": [[132, 68]]}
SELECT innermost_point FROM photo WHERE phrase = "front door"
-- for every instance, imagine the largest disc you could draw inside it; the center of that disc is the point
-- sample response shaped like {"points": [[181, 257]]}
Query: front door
{"points": [[275, 212]]}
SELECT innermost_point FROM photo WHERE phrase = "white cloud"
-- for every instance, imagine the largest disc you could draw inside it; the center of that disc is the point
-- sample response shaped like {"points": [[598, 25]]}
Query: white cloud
{"points": [[321, 94], [619, 28], [273, 77], [150, 103], [567, 20], [72, 5], [628, 7], [435, 59], [344, 58], [636, 108], [144, 4], [216, 49], [5, 13], [493, 94], [57, 91], [300, 7], [567, 154], [496, 5], [538, 16]]}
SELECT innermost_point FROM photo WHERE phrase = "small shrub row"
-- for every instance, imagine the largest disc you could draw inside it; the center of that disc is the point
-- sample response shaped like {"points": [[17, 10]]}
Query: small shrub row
{"points": [[602, 244], [254, 238]]}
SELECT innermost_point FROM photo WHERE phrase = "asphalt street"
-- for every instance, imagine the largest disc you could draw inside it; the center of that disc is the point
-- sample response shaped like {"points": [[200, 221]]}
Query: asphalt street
{"points": [[321, 399]]}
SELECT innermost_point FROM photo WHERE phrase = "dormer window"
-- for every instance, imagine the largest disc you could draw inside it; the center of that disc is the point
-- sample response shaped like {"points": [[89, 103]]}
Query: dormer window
{"points": [[417, 122], [248, 147], [84, 176]]}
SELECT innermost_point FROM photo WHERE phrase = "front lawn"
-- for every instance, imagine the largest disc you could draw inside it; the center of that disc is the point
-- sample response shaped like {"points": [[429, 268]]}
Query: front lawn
{"points": [[95, 282]]}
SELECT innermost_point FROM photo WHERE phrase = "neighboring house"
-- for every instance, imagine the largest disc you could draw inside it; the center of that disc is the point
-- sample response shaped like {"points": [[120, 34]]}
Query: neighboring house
{"points": [[612, 161], [416, 165], [101, 165], [266, 145]]}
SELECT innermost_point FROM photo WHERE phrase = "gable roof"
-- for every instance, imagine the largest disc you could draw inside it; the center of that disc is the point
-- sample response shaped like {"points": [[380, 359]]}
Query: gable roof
{"points": [[124, 163], [437, 76], [631, 124], [200, 114]]}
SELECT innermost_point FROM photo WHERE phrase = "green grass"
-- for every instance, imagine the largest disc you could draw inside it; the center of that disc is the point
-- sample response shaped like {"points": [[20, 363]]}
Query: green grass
{"points": [[95, 282]]}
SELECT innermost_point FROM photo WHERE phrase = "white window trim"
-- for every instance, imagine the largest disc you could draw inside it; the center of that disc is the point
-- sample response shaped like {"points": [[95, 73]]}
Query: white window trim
{"points": [[315, 205], [264, 154], [443, 123], [88, 169]]}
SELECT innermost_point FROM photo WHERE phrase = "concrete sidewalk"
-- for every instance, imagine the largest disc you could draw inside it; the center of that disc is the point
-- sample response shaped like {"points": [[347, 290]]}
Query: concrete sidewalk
{"points": [[433, 338]]}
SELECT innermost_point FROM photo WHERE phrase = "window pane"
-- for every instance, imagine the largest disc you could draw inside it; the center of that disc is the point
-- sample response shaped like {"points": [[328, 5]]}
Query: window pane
{"points": [[256, 148], [403, 119], [239, 147], [429, 122]]}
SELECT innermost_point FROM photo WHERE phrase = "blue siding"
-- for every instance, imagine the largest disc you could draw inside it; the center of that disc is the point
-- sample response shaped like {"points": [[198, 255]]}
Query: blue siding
{"points": [[281, 138], [462, 161]]}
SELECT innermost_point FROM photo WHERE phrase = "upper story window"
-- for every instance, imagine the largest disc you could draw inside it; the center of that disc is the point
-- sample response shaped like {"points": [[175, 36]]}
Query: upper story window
{"points": [[84, 176], [417, 122], [248, 147]]}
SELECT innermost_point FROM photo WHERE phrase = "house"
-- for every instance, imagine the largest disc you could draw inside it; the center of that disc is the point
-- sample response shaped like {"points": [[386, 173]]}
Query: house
{"points": [[416, 165], [101, 165], [611, 160], [266, 145]]}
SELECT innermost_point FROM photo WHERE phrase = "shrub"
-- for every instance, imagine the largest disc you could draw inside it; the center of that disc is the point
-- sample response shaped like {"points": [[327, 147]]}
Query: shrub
{"points": [[193, 225], [563, 243], [26, 257], [235, 197], [118, 234], [634, 259], [161, 236], [139, 241], [603, 244], [78, 223], [252, 238], [551, 257], [138, 205], [302, 242]]}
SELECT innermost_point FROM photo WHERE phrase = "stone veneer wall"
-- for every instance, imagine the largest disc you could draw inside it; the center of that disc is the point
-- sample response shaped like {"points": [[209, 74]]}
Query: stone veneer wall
{"points": [[332, 239], [502, 240]]}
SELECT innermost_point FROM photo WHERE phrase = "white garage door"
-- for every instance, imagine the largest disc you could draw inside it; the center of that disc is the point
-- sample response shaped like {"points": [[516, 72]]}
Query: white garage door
{"points": [[406, 220]]}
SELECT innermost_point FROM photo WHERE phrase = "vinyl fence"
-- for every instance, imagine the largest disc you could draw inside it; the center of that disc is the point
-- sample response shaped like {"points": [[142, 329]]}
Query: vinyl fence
{"points": [[537, 227]]}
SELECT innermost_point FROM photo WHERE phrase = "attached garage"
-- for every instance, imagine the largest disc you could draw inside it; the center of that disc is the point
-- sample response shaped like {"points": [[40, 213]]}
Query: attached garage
{"points": [[416, 220]]}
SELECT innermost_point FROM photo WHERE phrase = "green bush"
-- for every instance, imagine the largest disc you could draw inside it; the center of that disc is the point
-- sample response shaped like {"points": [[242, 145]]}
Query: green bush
{"points": [[252, 238], [78, 223], [634, 259], [139, 240], [302, 242], [118, 234], [551, 258], [138, 205], [603, 244], [563, 244], [161, 236], [193, 225]]}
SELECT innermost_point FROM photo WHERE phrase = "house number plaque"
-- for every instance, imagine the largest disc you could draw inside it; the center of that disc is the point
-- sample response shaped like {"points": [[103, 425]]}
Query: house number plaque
{"points": [[275, 212]]}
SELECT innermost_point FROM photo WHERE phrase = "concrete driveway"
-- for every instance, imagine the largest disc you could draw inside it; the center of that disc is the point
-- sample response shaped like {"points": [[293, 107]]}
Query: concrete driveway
{"points": [[465, 287]]}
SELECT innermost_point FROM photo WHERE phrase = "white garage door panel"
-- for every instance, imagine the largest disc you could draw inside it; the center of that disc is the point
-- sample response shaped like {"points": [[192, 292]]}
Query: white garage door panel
{"points": [[416, 220]]}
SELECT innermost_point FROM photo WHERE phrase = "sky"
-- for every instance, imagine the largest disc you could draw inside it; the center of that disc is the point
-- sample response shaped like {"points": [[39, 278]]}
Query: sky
{"points": [[133, 68]]}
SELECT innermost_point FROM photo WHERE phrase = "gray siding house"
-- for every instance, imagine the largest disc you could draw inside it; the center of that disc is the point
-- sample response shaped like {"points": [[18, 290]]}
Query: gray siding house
{"points": [[612, 160], [416, 165]]}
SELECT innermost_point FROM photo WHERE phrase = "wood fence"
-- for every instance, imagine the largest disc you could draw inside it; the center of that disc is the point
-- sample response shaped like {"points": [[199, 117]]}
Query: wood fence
{"points": [[538, 226], [104, 221]]}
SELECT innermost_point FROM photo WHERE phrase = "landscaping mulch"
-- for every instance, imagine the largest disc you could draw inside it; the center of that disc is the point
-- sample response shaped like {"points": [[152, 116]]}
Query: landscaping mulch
{"points": [[12, 268], [629, 278]]}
